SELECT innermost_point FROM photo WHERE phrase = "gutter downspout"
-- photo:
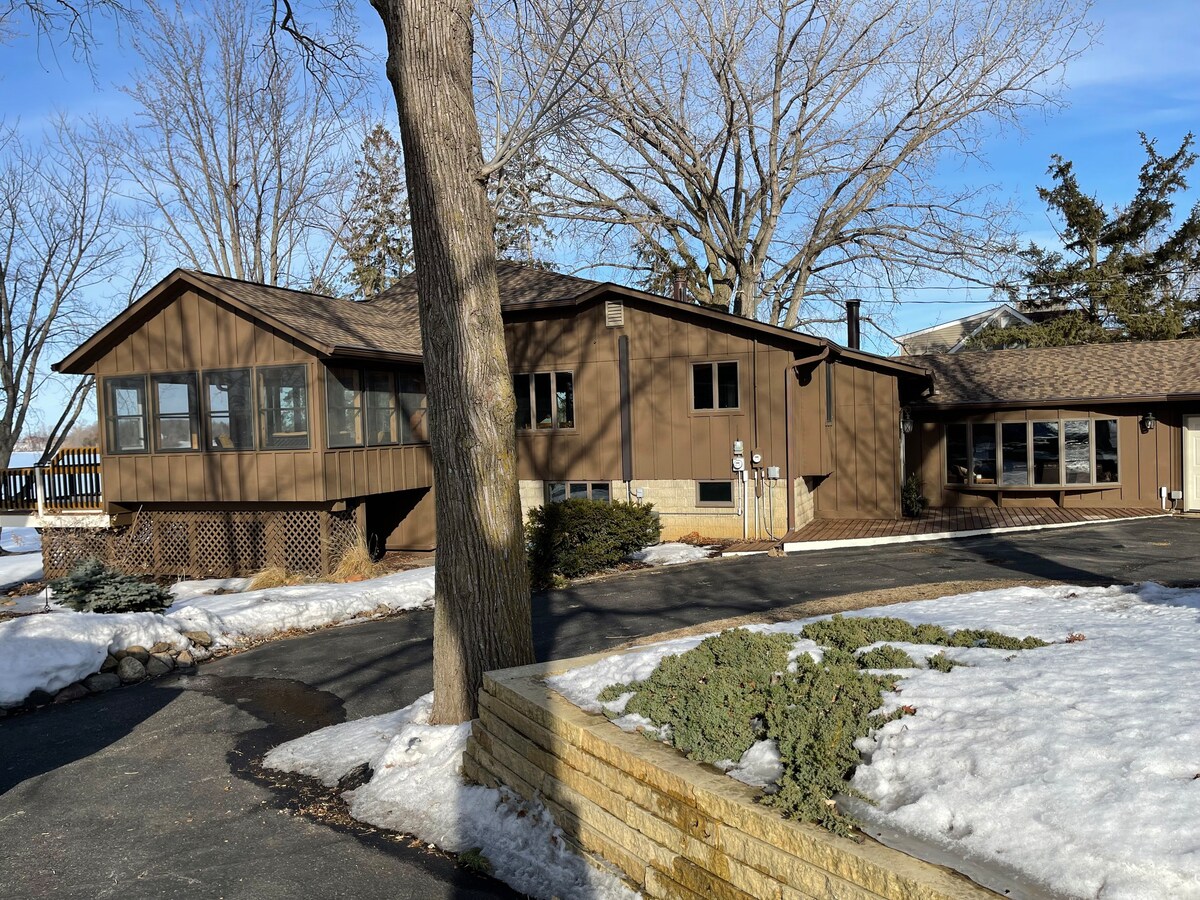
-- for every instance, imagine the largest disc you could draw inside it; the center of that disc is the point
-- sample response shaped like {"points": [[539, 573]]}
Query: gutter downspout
{"points": [[791, 369]]}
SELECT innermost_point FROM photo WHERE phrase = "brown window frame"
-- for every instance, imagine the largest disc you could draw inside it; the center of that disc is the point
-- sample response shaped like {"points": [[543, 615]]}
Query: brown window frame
{"points": [[589, 483], [554, 427], [111, 418], [251, 413], [1031, 481], [357, 406], [716, 409], [193, 413], [716, 504], [266, 439]]}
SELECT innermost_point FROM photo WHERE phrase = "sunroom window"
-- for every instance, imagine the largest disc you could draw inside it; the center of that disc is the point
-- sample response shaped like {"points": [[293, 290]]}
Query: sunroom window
{"points": [[125, 406], [229, 405], [343, 407], [1051, 453], [284, 412], [176, 423]]}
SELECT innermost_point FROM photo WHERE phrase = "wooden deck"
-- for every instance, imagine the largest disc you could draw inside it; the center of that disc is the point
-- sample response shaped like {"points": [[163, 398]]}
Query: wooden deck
{"points": [[946, 520]]}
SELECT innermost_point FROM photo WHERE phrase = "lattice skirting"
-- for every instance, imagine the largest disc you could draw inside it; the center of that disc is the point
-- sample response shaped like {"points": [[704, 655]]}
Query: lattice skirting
{"points": [[207, 543]]}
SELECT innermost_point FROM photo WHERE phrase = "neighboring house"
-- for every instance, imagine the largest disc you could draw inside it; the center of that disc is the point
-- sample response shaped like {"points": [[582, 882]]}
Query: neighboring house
{"points": [[1096, 425], [247, 425], [955, 336]]}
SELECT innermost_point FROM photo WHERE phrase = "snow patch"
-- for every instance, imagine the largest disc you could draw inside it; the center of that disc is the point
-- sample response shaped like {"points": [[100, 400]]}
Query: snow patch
{"points": [[670, 554]]}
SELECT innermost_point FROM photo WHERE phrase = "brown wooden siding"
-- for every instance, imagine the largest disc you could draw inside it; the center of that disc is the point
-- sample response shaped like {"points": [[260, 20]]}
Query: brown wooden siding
{"points": [[195, 332], [1145, 460]]}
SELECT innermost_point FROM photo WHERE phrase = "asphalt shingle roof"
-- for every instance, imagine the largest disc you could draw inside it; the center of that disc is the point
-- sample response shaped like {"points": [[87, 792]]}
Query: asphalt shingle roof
{"points": [[1085, 372]]}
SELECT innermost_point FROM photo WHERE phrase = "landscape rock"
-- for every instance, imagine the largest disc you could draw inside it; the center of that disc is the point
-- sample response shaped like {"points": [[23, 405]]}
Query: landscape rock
{"points": [[138, 652], [185, 660], [159, 664], [199, 638], [102, 681], [131, 670], [39, 698], [71, 692], [110, 664], [161, 647]]}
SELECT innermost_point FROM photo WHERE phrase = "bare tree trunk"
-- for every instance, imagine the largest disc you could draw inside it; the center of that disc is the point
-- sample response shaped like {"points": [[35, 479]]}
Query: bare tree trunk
{"points": [[482, 611]]}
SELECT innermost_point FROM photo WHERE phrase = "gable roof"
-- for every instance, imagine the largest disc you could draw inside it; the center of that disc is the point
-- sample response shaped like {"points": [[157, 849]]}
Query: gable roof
{"points": [[952, 336], [1146, 370], [388, 324]]}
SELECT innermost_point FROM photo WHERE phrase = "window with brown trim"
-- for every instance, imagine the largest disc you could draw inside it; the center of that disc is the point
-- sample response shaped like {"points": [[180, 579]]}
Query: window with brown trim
{"points": [[229, 409], [545, 400], [1045, 453], [558, 491], [283, 407], [176, 413], [343, 407], [125, 412], [714, 493], [715, 386]]}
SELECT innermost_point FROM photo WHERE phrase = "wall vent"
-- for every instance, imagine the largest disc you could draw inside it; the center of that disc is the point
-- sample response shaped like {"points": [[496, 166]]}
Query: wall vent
{"points": [[614, 313]]}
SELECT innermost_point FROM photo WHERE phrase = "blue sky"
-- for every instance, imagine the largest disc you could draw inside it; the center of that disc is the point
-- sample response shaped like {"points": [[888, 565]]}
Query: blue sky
{"points": [[1142, 74]]}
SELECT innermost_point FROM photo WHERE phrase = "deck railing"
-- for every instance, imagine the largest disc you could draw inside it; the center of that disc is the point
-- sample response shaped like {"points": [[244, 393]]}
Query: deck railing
{"points": [[70, 482]]}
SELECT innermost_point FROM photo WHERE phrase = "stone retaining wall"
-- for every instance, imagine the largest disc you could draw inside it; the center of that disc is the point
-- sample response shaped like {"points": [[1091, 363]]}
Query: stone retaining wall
{"points": [[674, 828]]}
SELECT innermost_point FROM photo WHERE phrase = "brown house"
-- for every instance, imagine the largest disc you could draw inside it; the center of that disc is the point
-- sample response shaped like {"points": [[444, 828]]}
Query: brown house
{"points": [[247, 425], [1102, 425]]}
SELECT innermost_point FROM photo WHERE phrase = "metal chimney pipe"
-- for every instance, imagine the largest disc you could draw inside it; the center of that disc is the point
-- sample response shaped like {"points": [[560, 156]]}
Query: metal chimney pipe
{"points": [[853, 333], [679, 288]]}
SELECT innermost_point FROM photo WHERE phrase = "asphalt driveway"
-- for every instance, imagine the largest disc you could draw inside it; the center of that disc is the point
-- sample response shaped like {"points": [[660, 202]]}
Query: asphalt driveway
{"points": [[150, 792]]}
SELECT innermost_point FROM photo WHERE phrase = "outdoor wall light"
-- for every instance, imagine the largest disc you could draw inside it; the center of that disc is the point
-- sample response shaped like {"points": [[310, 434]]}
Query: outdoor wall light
{"points": [[1148, 422], [906, 420]]}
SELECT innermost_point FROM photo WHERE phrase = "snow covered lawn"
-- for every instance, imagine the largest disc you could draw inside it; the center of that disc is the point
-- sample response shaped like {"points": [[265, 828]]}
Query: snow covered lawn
{"points": [[1073, 768], [25, 563], [417, 788], [52, 650]]}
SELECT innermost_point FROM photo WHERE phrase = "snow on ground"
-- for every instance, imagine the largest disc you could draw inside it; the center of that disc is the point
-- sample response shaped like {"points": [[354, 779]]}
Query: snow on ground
{"points": [[417, 788], [25, 563], [670, 554], [51, 650], [1071, 768], [186, 590]]}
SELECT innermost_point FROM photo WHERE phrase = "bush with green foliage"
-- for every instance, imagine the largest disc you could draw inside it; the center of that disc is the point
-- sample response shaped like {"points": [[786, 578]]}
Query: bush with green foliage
{"points": [[578, 537], [735, 689], [93, 587], [913, 501]]}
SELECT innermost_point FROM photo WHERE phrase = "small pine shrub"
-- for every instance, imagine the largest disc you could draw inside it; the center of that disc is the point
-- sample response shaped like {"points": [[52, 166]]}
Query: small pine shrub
{"points": [[886, 657], [912, 501], [940, 662], [578, 537], [93, 587], [713, 696], [854, 632]]}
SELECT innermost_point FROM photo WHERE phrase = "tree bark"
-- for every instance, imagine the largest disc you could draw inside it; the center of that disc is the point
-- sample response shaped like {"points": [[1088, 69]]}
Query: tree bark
{"points": [[482, 604]]}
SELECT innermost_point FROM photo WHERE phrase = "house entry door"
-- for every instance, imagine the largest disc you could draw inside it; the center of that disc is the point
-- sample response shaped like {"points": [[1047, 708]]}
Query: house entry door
{"points": [[1191, 462]]}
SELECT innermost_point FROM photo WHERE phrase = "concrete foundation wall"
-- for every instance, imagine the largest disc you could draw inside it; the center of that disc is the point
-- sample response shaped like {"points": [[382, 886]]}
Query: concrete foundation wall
{"points": [[672, 827]]}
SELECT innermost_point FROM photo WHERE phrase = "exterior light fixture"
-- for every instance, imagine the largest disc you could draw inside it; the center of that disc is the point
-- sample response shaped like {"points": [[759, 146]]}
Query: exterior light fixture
{"points": [[906, 420], [1148, 422]]}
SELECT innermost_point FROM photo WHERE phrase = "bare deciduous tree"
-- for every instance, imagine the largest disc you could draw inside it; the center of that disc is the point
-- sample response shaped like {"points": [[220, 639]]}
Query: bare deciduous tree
{"points": [[59, 247], [777, 150], [240, 153]]}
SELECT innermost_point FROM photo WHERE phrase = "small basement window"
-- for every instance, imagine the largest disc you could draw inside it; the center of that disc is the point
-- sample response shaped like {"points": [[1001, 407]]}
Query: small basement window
{"points": [[125, 410], [284, 411], [715, 385], [177, 425], [558, 491], [714, 493]]}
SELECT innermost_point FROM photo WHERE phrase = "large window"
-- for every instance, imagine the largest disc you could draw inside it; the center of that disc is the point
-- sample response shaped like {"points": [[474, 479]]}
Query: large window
{"points": [[283, 410], [176, 422], [715, 385], [125, 410], [545, 400], [229, 407], [343, 407], [1019, 454]]}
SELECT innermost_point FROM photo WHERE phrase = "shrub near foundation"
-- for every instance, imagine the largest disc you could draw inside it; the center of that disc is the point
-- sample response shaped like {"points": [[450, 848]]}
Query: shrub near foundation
{"points": [[93, 587], [578, 537]]}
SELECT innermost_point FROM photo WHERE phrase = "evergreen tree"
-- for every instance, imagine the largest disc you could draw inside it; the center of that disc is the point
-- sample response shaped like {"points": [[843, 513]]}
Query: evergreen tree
{"points": [[378, 241], [1125, 273]]}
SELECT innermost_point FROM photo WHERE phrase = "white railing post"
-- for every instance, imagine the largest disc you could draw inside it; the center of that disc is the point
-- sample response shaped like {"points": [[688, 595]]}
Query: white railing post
{"points": [[39, 487]]}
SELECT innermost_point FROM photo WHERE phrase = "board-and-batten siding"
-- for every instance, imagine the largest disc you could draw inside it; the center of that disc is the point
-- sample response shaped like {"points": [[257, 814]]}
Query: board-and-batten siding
{"points": [[1146, 460], [194, 332]]}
